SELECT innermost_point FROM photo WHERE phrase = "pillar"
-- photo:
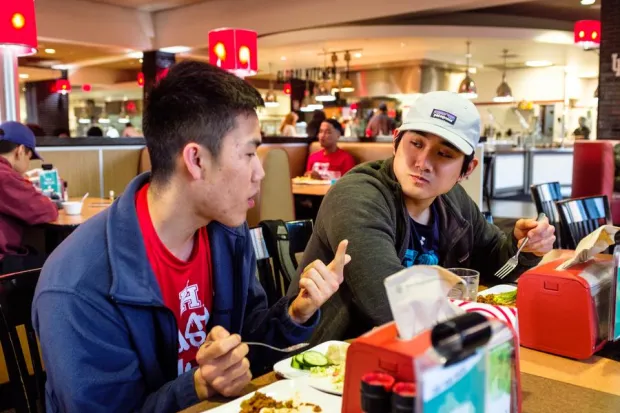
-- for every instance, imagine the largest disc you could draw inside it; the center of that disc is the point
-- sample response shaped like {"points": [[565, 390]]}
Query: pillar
{"points": [[609, 77]]}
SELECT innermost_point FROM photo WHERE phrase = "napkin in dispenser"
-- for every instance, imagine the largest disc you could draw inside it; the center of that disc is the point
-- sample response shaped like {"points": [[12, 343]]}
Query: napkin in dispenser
{"points": [[564, 305]]}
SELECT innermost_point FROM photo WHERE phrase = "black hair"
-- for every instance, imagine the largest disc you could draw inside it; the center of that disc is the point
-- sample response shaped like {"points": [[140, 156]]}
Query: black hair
{"points": [[36, 129], [196, 102], [466, 161], [336, 125], [7, 147], [94, 131]]}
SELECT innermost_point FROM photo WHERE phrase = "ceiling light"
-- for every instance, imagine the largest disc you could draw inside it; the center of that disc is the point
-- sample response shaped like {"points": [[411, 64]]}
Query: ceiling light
{"points": [[538, 63], [175, 49], [270, 98], [135, 55], [50, 51], [587, 2], [283, 58], [324, 93], [357, 55], [468, 88], [24, 75], [141, 60], [347, 86], [504, 92]]}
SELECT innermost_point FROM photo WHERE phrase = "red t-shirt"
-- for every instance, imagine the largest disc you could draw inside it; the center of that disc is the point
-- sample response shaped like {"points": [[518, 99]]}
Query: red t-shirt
{"points": [[185, 285], [339, 161]]}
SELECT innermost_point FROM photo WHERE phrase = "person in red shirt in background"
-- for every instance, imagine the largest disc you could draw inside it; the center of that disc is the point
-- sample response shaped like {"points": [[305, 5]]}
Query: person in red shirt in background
{"points": [[330, 158], [21, 205]]}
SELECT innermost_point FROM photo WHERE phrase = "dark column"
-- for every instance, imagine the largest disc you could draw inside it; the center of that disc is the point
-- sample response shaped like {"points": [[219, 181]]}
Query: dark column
{"points": [[155, 65], [609, 78], [46, 108]]}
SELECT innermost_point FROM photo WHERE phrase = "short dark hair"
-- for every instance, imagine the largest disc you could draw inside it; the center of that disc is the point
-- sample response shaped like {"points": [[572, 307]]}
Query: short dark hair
{"points": [[196, 102], [94, 131], [466, 161], [7, 147]]}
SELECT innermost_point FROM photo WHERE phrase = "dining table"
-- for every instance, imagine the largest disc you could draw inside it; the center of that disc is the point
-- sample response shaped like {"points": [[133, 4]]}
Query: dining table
{"points": [[310, 189], [90, 208], [549, 384]]}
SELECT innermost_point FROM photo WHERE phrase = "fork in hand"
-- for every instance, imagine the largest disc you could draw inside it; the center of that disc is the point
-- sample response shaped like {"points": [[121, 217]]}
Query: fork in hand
{"points": [[290, 349], [512, 263]]}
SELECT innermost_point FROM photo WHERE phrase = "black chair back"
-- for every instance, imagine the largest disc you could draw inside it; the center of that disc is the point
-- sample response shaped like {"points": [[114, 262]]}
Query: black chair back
{"points": [[263, 265], [580, 216], [299, 233], [16, 294], [544, 197]]}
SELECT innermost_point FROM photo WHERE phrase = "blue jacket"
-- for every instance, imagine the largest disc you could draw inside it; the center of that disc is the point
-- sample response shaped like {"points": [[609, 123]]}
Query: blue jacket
{"points": [[109, 344]]}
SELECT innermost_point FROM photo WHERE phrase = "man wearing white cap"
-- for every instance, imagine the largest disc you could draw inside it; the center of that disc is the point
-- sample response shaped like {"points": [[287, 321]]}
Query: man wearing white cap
{"points": [[411, 210]]}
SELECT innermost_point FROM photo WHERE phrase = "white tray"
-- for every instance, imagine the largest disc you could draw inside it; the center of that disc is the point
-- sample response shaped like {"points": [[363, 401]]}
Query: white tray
{"points": [[284, 369], [287, 389]]}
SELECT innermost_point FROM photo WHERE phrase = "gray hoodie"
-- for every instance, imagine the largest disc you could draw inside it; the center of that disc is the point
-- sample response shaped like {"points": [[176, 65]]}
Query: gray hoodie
{"points": [[366, 206]]}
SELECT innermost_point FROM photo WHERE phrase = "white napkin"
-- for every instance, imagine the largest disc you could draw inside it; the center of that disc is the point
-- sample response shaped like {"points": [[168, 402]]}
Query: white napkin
{"points": [[418, 297], [595, 243]]}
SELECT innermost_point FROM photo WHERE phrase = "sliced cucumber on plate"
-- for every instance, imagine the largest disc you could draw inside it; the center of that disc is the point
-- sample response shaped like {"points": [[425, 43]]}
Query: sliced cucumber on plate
{"points": [[309, 359]]}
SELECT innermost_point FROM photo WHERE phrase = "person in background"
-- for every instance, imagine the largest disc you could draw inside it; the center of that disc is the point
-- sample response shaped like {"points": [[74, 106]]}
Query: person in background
{"points": [[287, 127], [21, 204], [62, 133], [330, 157], [380, 123], [582, 132], [410, 210], [146, 307], [94, 131], [318, 116], [130, 132]]}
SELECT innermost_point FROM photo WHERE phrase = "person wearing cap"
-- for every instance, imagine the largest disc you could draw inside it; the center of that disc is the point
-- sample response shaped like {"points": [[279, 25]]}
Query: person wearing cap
{"points": [[330, 157], [22, 205], [410, 210]]}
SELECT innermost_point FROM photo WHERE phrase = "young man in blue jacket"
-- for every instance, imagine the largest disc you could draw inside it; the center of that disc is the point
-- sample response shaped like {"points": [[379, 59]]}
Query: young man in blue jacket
{"points": [[145, 306]]}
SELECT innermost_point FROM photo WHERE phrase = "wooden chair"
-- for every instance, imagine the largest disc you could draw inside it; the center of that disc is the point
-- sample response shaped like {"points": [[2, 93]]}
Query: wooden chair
{"points": [[16, 294], [545, 196], [580, 216]]}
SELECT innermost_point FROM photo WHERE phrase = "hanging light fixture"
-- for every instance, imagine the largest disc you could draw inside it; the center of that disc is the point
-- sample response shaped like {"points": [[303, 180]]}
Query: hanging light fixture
{"points": [[83, 118], [122, 117], [270, 98], [504, 92], [347, 85], [468, 88], [323, 90]]}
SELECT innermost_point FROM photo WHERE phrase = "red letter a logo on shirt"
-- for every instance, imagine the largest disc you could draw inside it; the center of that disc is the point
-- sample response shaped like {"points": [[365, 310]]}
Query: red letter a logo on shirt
{"points": [[188, 298]]}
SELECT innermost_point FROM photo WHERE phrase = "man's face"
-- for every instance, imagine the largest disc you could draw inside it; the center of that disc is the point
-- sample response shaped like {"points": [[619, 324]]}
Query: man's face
{"points": [[22, 159], [427, 166], [328, 136], [223, 189]]}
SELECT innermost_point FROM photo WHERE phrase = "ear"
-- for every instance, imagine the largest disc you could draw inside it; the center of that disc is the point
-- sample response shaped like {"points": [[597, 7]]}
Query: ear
{"points": [[196, 159], [470, 168]]}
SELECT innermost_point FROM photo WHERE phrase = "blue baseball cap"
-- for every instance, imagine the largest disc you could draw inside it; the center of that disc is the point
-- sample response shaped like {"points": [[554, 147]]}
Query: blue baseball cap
{"points": [[19, 134]]}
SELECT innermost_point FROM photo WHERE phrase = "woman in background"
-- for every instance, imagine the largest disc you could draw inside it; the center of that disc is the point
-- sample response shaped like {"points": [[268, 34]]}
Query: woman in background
{"points": [[287, 128]]}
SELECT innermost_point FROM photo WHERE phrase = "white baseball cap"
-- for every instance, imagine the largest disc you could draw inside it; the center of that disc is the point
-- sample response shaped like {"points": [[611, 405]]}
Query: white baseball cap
{"points": [[448, 115]]}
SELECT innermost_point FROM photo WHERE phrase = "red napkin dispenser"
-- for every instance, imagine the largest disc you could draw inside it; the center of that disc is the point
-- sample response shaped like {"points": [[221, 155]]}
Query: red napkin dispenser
{"points": [[380, 350], [565, 312]]}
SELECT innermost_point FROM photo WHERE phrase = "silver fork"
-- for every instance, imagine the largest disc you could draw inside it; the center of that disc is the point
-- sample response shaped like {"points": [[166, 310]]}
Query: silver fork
{"points": [[512, 263], [290, 349]]}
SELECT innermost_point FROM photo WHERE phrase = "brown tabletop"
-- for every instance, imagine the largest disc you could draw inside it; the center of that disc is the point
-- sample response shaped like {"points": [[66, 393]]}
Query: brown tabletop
{"points": [[91, 207], [549, 384], [305, 189]]}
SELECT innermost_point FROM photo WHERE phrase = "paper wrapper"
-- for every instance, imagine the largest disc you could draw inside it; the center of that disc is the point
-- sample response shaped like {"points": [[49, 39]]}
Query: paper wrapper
{"points": [[418, 298], [595, 243]]}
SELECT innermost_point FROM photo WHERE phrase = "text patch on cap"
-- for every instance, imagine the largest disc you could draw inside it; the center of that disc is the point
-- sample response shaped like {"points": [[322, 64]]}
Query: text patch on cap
{"points": [[443, 115]]}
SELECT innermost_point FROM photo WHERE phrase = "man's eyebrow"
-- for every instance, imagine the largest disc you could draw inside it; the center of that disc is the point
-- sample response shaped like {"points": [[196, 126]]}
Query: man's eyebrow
{"points": [[450, 145], [256, 142]]}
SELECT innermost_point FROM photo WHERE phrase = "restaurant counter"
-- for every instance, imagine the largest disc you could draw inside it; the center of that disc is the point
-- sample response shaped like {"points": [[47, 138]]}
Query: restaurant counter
{"points": [[95, 165]]}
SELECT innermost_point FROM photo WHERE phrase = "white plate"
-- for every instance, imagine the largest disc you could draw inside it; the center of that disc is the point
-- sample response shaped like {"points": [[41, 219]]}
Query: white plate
{"points": [[498, 289], [284, 369], [287, 389]]}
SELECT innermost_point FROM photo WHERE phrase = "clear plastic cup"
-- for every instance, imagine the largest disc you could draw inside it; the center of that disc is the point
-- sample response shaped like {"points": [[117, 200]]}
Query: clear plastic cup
{"points": [[468, 291]]}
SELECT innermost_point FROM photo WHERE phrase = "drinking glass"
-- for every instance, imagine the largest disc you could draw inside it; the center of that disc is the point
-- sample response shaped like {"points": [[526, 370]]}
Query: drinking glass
{"points": [[469, 290]]}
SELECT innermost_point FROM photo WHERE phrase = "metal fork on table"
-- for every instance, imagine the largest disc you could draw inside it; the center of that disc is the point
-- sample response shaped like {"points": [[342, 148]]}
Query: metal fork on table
{"points": [[512, 263], [290, 349]]}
